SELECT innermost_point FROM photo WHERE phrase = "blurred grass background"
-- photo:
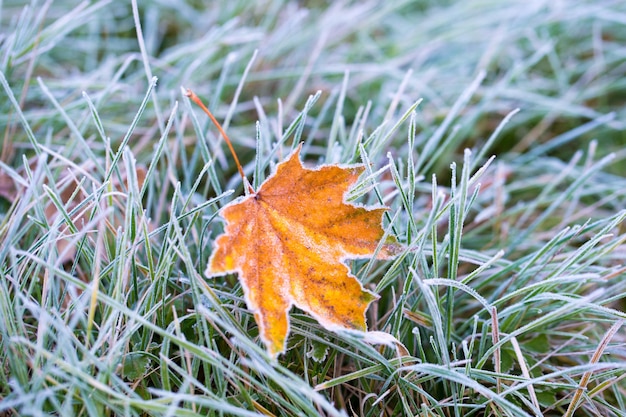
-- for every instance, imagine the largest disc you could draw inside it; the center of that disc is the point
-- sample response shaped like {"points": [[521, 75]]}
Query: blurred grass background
{"points": [[561, 63]]}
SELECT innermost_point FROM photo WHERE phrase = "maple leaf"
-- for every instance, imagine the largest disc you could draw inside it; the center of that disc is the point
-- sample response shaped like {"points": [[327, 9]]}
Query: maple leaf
{"points": [[289, 241]]}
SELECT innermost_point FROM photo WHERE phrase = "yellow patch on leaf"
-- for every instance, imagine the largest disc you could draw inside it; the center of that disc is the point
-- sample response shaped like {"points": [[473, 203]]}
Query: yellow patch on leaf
{"points": [[288, 243]]}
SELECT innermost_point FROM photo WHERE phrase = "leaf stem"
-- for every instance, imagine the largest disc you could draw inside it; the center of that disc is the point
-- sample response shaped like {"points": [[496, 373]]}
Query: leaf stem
{"points": [[217, 124]]}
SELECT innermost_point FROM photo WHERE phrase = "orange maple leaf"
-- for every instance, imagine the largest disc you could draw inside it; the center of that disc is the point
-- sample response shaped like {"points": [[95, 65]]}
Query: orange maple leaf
{"points": [[288, 242]]}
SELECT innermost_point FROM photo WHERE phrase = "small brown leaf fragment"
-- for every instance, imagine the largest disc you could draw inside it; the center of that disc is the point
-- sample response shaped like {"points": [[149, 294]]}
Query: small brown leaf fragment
{"points": [[8, 189]]}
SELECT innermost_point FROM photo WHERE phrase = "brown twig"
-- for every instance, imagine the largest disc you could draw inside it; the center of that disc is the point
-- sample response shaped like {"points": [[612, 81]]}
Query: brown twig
{"points": [[584, 380], [217, 124]]}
